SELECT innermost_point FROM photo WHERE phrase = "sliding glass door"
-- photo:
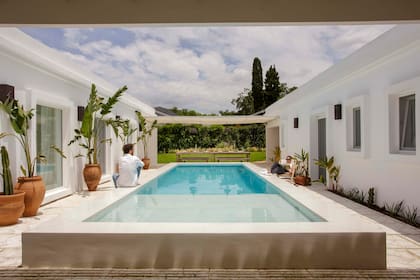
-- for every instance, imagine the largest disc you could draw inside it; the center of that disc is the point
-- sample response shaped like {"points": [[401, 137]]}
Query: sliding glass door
{"points": [[48, 134]]}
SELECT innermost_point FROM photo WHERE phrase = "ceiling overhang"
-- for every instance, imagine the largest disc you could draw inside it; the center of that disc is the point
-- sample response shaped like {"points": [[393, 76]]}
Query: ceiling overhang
{"points": [[170, 12], [210, 120]]}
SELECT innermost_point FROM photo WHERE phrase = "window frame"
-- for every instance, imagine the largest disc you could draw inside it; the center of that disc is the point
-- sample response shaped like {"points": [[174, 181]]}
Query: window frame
{"points": [[402, 131]]}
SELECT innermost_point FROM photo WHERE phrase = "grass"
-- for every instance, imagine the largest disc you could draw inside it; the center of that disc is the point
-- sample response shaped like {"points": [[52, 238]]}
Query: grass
{"points": [[171, 157]]}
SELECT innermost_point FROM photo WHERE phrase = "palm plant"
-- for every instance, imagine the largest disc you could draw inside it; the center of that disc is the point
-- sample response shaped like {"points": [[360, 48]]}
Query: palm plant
{"points": [[87, 136]]}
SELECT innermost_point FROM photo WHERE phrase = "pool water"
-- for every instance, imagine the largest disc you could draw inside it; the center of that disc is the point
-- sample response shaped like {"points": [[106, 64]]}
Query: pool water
{"points": [[207, 194]]}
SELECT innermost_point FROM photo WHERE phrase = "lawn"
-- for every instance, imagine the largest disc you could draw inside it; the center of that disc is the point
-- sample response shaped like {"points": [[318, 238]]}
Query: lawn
{"points": [[171, 157]]}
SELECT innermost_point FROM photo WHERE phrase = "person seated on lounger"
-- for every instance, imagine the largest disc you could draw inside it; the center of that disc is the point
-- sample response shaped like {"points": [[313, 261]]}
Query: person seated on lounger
{"points": [[129, 167]]}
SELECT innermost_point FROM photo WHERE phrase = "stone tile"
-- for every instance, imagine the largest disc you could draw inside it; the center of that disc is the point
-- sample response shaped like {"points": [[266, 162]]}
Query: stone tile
{"points": [[400, 242], [403, 258]]}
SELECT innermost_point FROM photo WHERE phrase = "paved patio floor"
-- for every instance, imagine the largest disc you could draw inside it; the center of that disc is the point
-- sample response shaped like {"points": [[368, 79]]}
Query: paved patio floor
{"points": [[403, 241]]}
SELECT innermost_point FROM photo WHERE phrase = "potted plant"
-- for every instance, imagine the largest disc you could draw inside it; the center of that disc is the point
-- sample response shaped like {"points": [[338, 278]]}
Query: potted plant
{"points": [[332, 170], [12, 203], [302, 168], [87, 136], [32, 185], [146, 131], [277, 154]]}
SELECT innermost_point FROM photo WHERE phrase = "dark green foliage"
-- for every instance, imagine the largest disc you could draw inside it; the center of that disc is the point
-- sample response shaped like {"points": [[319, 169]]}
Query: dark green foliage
{"points": [[356, 195], [272, 86], [6, 174], [244, 103], [257, 85], [371, 196], [178, 137]]}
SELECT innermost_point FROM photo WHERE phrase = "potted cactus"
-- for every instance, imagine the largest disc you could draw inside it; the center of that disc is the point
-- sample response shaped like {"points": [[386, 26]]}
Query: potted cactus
{"points": [[11, 202], [87, 136]]}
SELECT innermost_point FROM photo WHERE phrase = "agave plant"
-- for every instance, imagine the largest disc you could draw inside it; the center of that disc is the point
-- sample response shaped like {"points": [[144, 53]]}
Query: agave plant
{"points": [[6, 174], [87, 136]]}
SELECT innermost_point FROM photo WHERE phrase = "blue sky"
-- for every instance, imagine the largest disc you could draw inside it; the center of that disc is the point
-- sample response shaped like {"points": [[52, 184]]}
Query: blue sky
{"points": [[203, 68]]}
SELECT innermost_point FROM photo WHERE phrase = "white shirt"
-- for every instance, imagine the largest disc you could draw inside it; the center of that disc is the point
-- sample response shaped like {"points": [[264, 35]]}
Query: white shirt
{"points": [[128, 165]]}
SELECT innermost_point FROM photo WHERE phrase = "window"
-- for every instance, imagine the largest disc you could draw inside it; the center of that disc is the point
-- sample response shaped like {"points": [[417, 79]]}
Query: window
{"points": [[407, 123], [357, 135], [49, 133]]}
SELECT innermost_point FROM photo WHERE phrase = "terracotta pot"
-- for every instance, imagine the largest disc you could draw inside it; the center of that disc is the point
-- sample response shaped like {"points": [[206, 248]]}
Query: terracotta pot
{"points": [[146, 162], [92, 174], [11, 208], [303, 181], [34, 189]]}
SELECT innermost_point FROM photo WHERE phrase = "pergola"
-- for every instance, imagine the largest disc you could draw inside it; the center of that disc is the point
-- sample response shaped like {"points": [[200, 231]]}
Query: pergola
{"points": [[209, 120]]}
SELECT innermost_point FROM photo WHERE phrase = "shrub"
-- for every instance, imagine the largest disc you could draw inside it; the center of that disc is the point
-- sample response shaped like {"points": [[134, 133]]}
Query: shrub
{"points": [[371, 196], [395, 209], [410, 215]]}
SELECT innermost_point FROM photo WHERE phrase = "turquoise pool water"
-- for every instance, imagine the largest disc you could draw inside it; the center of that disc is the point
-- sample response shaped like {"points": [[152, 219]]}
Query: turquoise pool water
{"points": [[207, 194]]}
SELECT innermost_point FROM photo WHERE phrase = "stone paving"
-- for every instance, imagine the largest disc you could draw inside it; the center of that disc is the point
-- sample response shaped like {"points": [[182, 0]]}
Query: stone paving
{"points": [[403, 241]]}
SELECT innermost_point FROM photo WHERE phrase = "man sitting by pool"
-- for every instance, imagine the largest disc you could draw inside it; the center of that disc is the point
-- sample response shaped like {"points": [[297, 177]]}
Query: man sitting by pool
{"points": [[129, 167]]}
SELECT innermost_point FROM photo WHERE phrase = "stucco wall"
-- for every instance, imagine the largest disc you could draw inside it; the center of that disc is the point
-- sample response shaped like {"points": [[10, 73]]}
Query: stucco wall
{"points": [[57, 84], [393, 175]]}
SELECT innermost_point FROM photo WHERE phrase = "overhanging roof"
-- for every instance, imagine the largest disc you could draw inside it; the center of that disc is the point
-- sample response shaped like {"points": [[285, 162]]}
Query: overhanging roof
{"points": [[209, 120], [111, 12]]}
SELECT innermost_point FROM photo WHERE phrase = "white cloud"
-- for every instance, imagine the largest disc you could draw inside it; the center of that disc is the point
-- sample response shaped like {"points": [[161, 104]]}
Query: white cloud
{"points": [[203, 68]]}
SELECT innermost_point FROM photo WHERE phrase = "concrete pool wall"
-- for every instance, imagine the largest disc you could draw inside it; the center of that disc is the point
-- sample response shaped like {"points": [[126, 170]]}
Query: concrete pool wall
{"points": [[344, 241]]}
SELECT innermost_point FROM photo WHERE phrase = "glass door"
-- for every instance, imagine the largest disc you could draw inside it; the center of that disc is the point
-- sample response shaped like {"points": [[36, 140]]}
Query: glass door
{"points": [[48, 134]]}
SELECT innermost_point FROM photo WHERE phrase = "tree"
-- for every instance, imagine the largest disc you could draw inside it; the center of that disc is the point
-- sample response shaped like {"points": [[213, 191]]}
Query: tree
{"points": [[244, 103], [272, 86], [257, 86]]}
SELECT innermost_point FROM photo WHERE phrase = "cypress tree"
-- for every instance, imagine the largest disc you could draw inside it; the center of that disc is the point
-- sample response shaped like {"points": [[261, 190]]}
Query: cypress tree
{"points": [[257, 85], [272, 86]]}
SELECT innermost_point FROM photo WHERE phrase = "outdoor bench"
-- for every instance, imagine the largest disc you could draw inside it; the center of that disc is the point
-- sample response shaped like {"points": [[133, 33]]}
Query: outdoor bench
{"points": [[241, 159]]}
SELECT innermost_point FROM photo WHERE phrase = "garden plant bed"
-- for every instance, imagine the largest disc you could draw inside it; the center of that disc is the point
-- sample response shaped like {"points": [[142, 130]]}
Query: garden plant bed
{"points": [[377, 208]]}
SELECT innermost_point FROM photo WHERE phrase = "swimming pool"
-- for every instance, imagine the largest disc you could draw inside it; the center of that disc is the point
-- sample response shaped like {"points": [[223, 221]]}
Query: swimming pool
{"points": [[207, 193], [73, 239]]}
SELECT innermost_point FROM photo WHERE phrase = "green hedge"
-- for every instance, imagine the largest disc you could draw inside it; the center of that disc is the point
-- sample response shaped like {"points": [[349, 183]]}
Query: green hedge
{"points": [[179, 137]]}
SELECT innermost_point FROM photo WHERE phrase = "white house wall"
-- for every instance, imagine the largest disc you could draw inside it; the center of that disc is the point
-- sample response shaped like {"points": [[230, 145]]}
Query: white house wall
{"points": [[393, 175], [59, 85]]}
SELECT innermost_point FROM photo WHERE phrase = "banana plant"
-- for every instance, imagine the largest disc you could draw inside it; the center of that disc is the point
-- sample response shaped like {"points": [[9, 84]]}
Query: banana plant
{"points": [[87, 136], [332, 170], [146, 131], [122, 129], [19, 121]]}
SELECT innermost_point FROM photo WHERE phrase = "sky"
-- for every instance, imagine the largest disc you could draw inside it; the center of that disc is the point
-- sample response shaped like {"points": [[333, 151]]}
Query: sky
{"points": [[204, 68]]}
